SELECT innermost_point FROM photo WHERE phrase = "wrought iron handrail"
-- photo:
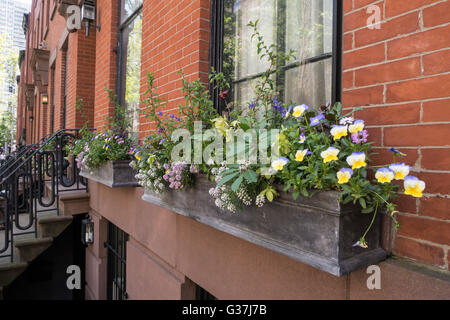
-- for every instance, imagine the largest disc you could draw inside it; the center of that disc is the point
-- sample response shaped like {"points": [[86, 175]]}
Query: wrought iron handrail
{"points": [[32, 184], [18, 155]]}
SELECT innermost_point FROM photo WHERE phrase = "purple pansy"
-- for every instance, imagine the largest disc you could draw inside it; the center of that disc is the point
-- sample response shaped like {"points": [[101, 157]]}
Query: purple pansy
{"points": [[315, 121]]}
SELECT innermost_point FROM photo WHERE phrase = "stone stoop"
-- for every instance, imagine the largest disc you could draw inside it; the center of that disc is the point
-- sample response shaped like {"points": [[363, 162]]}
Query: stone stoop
{"points": [[30, 249], [51, 227], [27, 250], [9, 272], [73, 203]]}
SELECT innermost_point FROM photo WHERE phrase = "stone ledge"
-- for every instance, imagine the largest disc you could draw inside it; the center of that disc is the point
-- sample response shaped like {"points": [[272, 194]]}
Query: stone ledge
{"points": [[317, 231], [114, 174]]}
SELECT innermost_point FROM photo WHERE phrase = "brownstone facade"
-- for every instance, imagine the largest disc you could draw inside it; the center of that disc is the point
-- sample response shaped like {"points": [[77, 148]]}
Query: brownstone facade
{"points": [[399, 75]]}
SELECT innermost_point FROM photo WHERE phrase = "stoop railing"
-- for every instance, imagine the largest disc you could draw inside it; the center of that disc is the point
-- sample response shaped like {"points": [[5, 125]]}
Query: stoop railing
{"points": [[31, 182]]}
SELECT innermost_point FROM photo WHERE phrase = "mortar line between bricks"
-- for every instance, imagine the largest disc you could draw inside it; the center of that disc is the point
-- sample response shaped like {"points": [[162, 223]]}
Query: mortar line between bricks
{"points": [[386, 61], [409, 124], [396, 82], [400, 103], [413, 215], [423, 241], [413, 147], [373, 44]]}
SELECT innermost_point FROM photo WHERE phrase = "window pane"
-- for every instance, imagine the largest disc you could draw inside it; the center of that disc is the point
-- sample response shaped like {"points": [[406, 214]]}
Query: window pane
{"points": [[309, 27], [305, 26], [129, 7], [240, 55], [133, 72], [310, 84]]}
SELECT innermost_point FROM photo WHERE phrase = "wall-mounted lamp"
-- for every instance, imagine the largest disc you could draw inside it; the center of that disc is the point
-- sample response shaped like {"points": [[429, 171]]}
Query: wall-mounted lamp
{"points": [[88, 14], [44, 98], [87, 231], [31, 119]]}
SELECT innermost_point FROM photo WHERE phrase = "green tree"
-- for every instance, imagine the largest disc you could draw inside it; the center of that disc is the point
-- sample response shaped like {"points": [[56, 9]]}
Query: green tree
{"points": [[9, 56]]}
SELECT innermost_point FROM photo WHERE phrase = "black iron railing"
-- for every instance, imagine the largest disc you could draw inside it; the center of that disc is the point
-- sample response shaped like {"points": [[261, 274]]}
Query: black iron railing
{"points": [[31, 183]]}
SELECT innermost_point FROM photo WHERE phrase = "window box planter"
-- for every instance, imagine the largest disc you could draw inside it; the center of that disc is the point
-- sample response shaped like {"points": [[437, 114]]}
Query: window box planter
{"points": [[114, 174], [317, 231]]}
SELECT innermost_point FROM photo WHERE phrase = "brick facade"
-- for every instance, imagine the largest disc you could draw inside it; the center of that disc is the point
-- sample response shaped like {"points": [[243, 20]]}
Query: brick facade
{"points": [[47, 30], [399, 74]]}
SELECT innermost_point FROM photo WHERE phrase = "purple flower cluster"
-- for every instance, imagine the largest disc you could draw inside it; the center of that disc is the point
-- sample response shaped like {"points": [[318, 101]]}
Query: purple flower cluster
{"points": [[193, 169], [359, 137], [277, 107], [174, 174]]}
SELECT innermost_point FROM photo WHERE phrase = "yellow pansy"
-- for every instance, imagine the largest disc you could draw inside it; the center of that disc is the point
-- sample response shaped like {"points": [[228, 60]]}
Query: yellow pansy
{"points": [[414, 187], [330, 154], [338, 132], [357, 160]]}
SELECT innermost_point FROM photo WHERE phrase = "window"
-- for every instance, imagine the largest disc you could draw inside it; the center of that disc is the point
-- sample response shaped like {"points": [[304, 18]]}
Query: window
{"points": [[309, 27], [117, 261], [130, 61]]}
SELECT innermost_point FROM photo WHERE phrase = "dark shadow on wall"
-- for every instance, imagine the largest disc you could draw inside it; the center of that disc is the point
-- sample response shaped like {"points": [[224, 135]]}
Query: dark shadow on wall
{"points": [[46, 277]]}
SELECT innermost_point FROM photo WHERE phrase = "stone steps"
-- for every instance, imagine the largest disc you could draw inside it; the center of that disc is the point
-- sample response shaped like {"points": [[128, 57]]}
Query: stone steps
{"points": [[49, 226], [53, 226], [71, 202], [10, 271], [74, 202], [29, 248]]}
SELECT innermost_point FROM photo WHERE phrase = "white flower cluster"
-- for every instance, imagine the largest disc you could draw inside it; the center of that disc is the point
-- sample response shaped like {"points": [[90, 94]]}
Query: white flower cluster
{"points": [[149, 179], [223, 194], [260, 201], [346, 121], [243, 196]]}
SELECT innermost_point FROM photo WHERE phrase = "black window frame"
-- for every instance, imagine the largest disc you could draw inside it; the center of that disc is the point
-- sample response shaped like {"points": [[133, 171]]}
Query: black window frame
{"points": [[122, 51], [217, 42], [116, 245]]}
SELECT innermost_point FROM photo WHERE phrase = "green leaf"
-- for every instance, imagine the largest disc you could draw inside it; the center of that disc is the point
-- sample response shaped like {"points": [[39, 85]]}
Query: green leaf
{"points": [[305, 193], [269, 195], [295, 194], [237, 183], [367, 210], [251, 176], [362, 202], [347, 200], [227, 179], [227, 172]]}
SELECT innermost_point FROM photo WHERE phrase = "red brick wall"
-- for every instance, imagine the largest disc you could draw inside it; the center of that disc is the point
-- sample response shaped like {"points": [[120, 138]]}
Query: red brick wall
{"points": [[105, 69], [175, 37], [400, 74], [59, 92], [81, 78]]}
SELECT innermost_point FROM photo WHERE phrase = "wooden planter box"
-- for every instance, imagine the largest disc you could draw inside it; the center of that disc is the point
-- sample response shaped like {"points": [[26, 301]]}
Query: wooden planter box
{"points": [[114, 174], [317, 231]]}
